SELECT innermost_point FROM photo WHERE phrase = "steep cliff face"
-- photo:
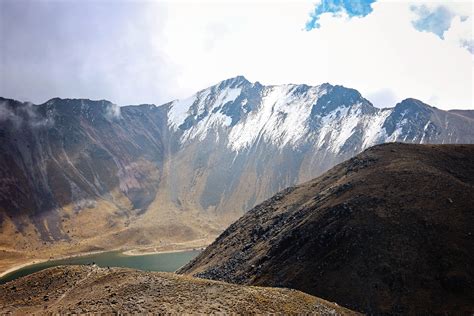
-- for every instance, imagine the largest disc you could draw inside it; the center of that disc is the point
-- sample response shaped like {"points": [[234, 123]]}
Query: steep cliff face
{"points": [[386, 232], [76, 154], [69, 151]]}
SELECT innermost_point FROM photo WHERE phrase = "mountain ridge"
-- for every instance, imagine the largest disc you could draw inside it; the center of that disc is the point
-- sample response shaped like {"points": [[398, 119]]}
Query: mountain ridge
{"points": [[190, 166]]}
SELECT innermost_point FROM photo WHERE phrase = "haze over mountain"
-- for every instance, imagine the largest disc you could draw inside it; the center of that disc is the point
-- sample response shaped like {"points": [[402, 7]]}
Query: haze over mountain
{"points": [[153, 175], [386, 232]]}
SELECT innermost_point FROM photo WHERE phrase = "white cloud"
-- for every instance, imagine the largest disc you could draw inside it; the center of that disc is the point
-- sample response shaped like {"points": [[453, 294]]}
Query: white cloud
{"points": [[460, 33], [267, 42], [133, 52], [24, 114]]}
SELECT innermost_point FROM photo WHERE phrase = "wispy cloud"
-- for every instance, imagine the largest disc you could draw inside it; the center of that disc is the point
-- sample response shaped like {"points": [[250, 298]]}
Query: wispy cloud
{"points": [[25, 113], [113, 112]]}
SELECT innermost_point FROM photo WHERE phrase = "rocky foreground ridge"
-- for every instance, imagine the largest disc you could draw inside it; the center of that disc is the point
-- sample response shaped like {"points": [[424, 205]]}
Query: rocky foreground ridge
{"points": [[90, 289]]}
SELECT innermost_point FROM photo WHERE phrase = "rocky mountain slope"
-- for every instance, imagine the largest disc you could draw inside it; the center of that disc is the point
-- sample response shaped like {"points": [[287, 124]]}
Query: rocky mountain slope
{"points": [[90, 289], [388, 231], [79, 175], [466, 113], [259, 139], [77, 153]]}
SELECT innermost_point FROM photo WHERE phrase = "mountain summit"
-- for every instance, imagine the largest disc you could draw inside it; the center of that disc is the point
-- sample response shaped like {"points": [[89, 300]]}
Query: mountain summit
{"points": [[241, 114]]}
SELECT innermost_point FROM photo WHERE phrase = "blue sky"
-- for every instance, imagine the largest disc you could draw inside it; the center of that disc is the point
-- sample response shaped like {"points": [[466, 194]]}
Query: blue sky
{"points": [[436, 21], [431, 18], [134, 52], [352, 8]]}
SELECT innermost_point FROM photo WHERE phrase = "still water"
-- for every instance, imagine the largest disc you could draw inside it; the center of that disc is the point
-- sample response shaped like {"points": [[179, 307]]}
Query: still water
{"points": [[165, 262]]}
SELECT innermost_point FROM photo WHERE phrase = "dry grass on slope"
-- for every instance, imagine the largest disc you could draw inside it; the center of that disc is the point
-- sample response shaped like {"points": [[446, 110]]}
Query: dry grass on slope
{"points": [[90, 289]]}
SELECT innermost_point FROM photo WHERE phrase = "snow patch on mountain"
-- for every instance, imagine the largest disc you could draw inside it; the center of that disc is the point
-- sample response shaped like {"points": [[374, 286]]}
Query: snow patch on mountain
{"points": [[240, 115], [179, 111], [398, 132], [281, 118], [337, 127], [208, 102], [209, 123], [424, 131], [205, 101], [374, 132]]}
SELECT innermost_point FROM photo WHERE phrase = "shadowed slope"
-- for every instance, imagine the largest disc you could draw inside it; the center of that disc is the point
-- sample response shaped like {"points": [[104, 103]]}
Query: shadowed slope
{"points": [[389, 230]]}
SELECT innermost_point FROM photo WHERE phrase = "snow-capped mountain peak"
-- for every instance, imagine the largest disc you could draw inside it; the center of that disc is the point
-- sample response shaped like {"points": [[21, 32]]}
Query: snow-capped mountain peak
{"points": [[184, 113], [242, 114]]}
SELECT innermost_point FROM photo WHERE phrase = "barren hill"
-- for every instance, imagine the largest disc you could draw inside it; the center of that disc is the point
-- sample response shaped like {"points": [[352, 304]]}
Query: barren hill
{"points": [[90, 289], [388, 231]]}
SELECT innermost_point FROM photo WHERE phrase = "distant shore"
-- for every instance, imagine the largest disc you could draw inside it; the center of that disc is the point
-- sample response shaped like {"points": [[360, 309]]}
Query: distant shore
{"points": [[197, 244], [41, 260], [137, 252], [126, 252], [18, 267]]}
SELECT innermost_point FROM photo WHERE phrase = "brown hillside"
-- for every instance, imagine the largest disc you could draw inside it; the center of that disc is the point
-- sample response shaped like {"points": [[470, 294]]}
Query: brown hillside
{"points": [[388, 231], [90, 289]]}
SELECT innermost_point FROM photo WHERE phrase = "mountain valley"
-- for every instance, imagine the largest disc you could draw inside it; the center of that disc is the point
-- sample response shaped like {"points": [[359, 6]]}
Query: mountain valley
{"points": [[80, 176]]}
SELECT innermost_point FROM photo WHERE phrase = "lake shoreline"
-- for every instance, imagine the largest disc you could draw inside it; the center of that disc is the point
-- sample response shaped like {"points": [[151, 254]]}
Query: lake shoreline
{"points": [[135, 252], [196, 244], [125, 252], [41, 260]]}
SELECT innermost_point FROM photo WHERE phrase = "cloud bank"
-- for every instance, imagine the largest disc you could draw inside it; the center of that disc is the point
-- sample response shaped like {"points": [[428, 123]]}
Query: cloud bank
{"points": [[156, 51]]}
